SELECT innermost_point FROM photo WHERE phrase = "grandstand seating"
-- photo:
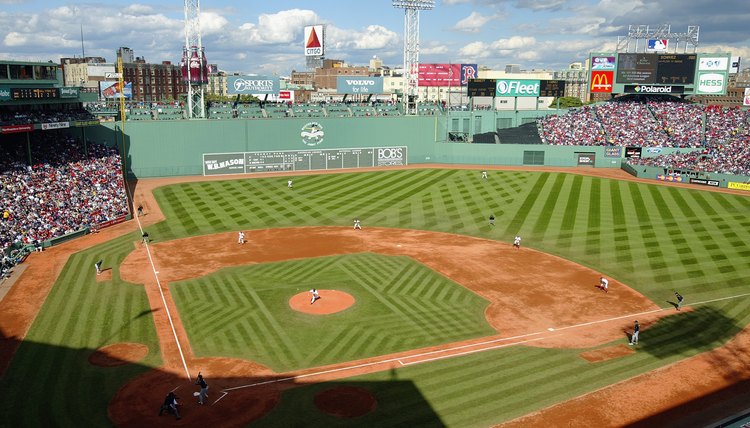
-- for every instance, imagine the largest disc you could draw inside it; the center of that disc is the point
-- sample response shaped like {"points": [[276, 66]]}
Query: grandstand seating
{"points": [[64, 190]]}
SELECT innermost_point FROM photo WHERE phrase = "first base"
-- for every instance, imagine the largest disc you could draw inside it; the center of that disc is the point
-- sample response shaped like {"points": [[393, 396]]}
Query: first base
{"points": [[551, 329], [196, 393]]}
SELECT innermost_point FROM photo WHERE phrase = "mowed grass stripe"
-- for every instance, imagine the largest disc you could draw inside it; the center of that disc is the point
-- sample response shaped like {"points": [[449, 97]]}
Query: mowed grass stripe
{"points": [[514, 225]]}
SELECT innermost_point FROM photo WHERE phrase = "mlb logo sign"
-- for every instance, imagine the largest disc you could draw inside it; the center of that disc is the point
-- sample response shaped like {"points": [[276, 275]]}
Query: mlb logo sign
{"points": [[468, 71], [657, 45]]}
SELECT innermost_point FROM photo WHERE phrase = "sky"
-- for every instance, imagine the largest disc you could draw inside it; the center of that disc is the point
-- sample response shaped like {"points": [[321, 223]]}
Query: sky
{"points": [[266, 37]]}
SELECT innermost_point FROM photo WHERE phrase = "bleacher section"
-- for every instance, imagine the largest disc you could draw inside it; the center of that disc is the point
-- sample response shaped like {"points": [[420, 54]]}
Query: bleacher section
{"points": [[308, 110], [524, 134]]}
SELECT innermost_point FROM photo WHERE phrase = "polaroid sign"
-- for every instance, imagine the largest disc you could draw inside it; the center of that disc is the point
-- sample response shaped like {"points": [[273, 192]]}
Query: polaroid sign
{"points": [[248, 85], [359, 85], [390, 156], [314, 40], [223, 163], [517, 88], [653, 89]]}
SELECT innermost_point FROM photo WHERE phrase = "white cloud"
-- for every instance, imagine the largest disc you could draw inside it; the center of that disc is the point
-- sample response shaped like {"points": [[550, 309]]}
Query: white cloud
{"points": [[281, 27], [513, 43], [472, 23], [371, 37], [138, 9], [475, 50], [434, 49], [213, 23]]}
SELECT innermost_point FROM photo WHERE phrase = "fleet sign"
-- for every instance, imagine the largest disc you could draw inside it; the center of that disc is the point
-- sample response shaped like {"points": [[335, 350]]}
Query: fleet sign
{"points": [[314, 41], [711, 83], [601, 81], [517, 88], [247, 85], [359, 85]]}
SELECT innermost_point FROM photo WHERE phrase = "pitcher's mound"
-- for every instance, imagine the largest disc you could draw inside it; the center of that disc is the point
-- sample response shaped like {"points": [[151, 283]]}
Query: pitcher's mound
{"points": [[330, 302]]}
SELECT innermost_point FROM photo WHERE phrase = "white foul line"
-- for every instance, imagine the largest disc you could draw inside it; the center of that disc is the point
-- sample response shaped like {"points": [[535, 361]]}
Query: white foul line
{"points": [[158, 283], [398, 359], [374, 363], [504, 345]]}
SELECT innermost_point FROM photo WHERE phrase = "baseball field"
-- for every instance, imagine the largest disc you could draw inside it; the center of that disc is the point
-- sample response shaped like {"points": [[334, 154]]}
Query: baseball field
{"points": [[447, 323]]}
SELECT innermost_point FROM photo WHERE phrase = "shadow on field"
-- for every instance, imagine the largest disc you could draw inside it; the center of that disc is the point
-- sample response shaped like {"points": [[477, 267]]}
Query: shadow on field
{"points": [[688, 333], [130, 394], [702, 411]]}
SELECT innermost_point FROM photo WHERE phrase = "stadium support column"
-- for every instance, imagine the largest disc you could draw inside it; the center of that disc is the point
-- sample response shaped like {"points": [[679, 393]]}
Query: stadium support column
{"points": [[195, 72], [411, 50]]}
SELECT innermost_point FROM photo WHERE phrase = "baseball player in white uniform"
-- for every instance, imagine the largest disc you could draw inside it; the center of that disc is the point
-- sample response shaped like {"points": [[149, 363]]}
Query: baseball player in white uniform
{"points": [[604, 284], [315, 295], [517, 241], [357, 224], [241, 237], [289, 184], [484, 174]]}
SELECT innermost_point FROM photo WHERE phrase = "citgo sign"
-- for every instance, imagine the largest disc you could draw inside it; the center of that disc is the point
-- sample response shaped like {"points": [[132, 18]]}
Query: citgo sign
{"points": [[517, 88]]}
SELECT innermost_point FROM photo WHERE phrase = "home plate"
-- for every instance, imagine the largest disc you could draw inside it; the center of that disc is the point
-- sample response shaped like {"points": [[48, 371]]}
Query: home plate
{"points": [[551, 329]]}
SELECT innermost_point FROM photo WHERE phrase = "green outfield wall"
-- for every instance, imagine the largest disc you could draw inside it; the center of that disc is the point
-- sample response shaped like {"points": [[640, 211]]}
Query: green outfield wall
{"points": [[173, 148]]}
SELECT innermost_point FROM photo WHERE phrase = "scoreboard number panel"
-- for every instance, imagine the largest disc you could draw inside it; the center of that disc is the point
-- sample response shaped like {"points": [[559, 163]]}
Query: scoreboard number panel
{"points": [[34, 93], [302, 160]]}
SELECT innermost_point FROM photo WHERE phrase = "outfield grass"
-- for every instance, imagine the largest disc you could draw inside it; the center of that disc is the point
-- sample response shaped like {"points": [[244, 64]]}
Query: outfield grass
{"points": [[654, 238], [400, 305]]}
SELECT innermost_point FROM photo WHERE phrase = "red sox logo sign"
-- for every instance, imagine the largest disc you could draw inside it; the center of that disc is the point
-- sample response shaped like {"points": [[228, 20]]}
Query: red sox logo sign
{"points": [[468, 71]]}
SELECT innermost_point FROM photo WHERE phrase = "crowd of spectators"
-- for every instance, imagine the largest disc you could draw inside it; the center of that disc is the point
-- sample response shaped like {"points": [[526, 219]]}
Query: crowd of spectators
{"points": [[33, 116], [729, 157], [576, 127], [681, 121], [724, 124], [66, 188]]}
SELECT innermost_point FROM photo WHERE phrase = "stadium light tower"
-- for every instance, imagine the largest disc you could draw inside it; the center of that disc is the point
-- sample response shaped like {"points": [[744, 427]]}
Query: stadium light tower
{"points": [[411, 49], [194, 65]]}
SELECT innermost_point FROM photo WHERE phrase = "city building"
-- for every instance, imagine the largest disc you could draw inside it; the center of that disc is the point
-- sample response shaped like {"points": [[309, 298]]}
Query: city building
{"points": [[153, 82]]}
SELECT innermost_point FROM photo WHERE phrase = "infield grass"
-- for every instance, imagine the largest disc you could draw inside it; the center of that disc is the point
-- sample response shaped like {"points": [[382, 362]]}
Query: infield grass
{"points": [[400, 305], [652, 237]]}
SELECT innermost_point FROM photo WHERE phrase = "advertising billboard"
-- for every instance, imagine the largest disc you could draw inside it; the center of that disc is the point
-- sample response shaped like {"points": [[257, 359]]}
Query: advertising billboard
{"points": [[657, 45], [676, 69], [481, 87], [4, 93], [314, 41], [713, 64], [248, 85], [711, 83], [359, 85], [636, 68], [735, 66], [654, 89], [111, 90], [603, 63], [446, 74], [746, 98], [601, 81], [517, 88]]}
